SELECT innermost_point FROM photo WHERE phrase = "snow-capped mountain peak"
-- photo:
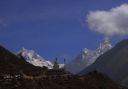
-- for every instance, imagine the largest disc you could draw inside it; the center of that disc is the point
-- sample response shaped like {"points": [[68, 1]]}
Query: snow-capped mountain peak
{"points": [[32, 57], [30, 54], [105, 45], [85, 51], [88, 57]]}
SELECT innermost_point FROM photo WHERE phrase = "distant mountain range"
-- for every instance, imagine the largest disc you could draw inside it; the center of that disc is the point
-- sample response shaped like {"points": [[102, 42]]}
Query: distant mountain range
{"points": [[25, 70], [16, 73], [88, 57], [105, 59], [113, 63], [83, 60]]}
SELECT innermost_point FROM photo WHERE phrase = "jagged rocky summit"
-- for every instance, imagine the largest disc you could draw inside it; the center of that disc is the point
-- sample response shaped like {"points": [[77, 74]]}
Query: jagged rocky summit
{"points": [[88, 57]]}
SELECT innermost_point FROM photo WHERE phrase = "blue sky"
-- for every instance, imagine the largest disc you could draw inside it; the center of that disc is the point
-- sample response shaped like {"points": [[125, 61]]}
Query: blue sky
{"points": [[53, 28]]}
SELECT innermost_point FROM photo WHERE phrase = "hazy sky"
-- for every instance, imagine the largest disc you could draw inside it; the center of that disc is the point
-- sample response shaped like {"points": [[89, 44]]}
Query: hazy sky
{"points": [[53, 28]]}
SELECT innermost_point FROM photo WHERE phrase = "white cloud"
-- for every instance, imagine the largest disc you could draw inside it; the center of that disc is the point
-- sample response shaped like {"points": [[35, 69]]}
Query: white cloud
{"points": [[111, 22]]}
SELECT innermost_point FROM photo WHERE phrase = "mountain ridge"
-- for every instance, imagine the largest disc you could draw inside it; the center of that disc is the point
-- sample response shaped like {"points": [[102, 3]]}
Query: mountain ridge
{"points": [[16, 73], [88, 57], [35, 59]]}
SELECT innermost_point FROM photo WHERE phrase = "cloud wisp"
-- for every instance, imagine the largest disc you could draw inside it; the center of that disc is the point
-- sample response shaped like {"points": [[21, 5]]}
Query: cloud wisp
{"points": [[111, 22]]}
